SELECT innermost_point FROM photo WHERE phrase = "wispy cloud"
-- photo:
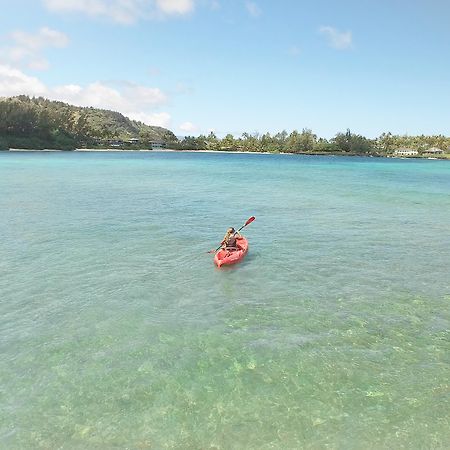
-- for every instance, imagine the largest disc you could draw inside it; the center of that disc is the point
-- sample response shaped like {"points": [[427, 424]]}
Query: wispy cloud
{"points": [[294, 50], [188, 127], [135, 101], [183, 88], [214, 5], [45, 37], [154, 71], [25, 49], [340, 40], [253, 9], [124, 97], [162, 119], [123, 11], [175, 6]]}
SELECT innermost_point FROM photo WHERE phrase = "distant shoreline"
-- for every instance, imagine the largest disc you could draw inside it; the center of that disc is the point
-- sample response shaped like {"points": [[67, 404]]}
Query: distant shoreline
{"points": [[168, 150]]}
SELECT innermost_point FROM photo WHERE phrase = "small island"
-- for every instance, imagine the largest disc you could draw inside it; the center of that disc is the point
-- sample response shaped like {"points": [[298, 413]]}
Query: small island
{"points": [[36, 123]]}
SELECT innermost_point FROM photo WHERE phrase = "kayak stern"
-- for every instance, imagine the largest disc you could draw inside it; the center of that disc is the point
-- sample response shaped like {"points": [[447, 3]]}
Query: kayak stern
{"points": [[227, 257]]}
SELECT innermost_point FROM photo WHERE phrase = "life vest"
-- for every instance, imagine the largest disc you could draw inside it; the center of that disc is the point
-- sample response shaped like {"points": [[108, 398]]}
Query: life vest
{"points": [[231, 241]]}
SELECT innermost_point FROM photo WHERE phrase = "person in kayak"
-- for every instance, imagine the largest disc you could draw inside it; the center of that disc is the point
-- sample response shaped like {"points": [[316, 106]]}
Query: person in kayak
{"points": [[229, 240]]}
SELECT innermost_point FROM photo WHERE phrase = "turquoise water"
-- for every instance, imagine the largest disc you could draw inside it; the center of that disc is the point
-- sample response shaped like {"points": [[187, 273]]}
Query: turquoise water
{"points": [[118, 332]]}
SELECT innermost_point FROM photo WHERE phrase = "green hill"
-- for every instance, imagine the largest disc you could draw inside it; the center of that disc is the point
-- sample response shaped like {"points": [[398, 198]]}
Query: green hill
{"points": [[36, 123]]}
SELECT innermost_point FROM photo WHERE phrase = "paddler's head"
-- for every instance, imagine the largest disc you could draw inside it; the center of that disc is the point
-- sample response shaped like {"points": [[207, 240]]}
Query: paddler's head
{"points": [[230, 230]]}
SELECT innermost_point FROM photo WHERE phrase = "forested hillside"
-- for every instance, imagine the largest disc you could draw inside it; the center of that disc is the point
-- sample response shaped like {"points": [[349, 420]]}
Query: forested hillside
{"points": [[40, 123]]}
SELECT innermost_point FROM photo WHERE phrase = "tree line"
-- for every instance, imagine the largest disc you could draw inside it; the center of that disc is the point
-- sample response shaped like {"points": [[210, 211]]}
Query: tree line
{"points": [[306, 141]]}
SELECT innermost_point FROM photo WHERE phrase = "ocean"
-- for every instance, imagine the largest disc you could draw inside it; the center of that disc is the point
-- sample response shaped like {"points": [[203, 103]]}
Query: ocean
{"points": [[117, 331]]}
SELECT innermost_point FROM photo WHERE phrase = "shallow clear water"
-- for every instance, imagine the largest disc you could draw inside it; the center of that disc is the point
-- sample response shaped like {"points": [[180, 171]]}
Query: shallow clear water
{"points": [[118, 332]]}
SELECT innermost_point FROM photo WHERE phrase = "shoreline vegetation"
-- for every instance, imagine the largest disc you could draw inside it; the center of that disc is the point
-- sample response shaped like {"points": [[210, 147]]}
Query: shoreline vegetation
{"points": [[444, 157], [38, 124]]}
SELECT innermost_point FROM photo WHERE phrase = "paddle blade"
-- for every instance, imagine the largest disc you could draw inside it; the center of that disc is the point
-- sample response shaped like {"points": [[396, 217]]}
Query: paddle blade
{"points": [[249, 221]]}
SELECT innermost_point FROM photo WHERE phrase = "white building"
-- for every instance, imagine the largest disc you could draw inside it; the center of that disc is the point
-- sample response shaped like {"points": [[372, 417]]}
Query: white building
{"points": [[403, 151]]}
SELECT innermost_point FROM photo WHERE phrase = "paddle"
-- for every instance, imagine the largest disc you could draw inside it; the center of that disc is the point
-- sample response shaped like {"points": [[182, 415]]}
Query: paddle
{"points": [[249, 221]]}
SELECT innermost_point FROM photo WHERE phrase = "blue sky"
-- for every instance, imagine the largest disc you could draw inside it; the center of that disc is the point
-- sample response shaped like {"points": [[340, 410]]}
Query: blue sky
{"points": [[232, 66]]}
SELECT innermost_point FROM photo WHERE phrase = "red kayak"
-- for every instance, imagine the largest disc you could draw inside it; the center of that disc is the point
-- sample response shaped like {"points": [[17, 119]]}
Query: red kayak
{"points": [[225, 257]]}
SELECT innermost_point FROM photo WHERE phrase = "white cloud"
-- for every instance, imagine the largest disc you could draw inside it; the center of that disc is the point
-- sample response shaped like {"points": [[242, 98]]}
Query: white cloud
{"points": [[144, 95], [134, 101], [38, 64], [95, 94], [123, 11], [15, 82], [161, 119], [175, 6], [45, 37], [26, 48], [253, 9], [126, 11], [188, 127], [337, 39], [129, 99]]}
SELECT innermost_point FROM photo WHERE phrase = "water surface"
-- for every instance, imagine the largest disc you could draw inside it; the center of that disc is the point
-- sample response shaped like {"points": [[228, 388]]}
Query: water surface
{"points": [[118, 332]]}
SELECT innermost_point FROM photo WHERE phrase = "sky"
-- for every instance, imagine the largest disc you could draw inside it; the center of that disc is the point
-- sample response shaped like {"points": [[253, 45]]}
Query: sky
{"points": [[234, 66]]}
